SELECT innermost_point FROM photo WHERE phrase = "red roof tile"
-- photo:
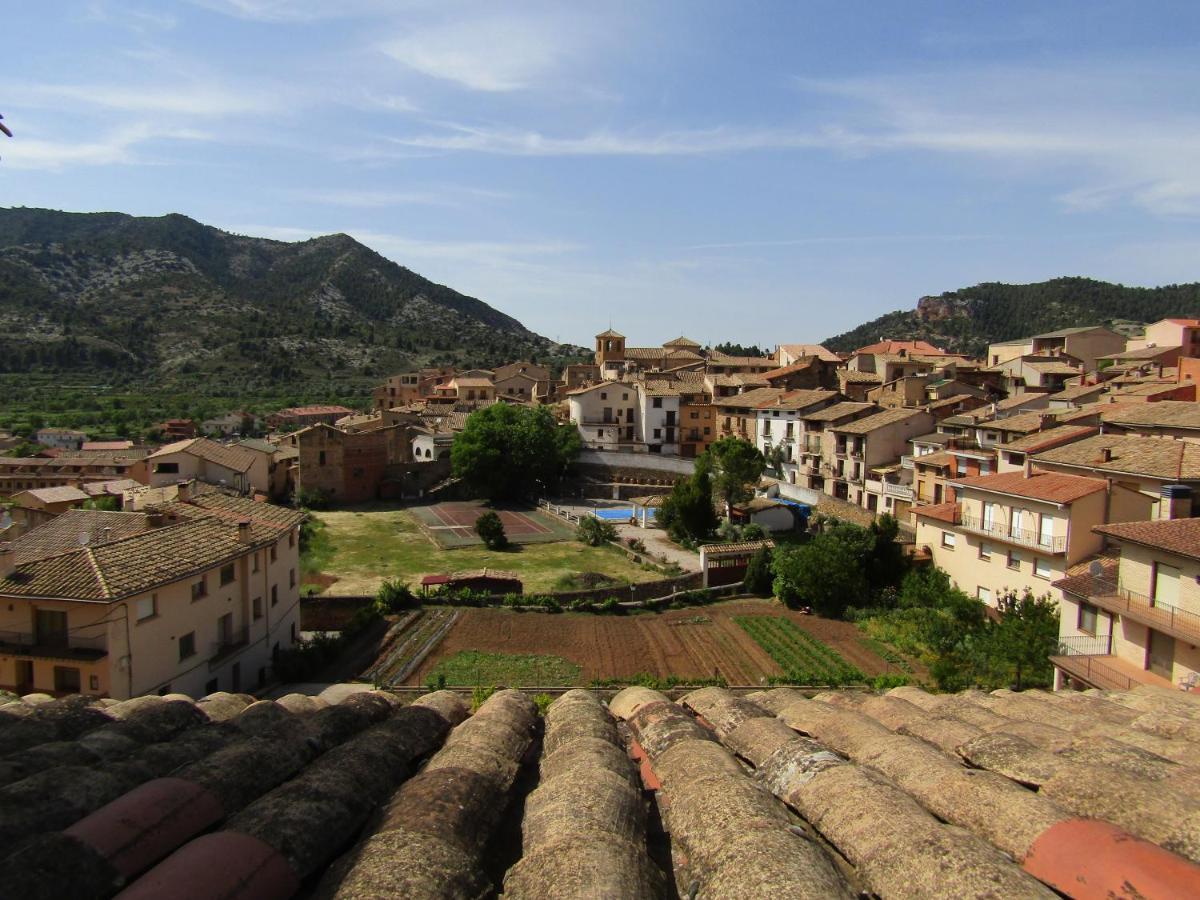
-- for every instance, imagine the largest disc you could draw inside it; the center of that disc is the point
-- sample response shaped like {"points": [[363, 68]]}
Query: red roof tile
{"points": [[1049, 486]]}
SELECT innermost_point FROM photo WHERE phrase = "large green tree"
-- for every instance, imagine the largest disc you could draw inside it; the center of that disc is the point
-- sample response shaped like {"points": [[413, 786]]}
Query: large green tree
{"points": [[829, 573], [508, 452], [735, 466], [687, 513]]}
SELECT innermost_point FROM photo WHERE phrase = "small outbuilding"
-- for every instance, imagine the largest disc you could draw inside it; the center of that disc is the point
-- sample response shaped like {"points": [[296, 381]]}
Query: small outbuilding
{"points": [[491, 581]]}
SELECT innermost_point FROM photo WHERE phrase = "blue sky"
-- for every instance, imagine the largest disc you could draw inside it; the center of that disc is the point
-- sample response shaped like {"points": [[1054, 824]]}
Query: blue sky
{"points": [[760, 171]]}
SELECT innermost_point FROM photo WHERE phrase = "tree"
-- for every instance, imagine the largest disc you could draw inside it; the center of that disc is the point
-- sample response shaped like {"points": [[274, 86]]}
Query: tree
{"points": [[106, 504], [828, 573], [491, 531], [593, 532], [735, 466], [508, 452], [1025, 637], [758, 578], [687, 512]]}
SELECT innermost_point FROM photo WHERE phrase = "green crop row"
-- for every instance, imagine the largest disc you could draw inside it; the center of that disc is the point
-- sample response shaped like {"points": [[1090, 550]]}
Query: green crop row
{"points": [[803, 658]]}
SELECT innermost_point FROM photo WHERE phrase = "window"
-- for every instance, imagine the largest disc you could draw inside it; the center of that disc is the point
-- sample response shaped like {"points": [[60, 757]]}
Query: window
{"points": [[603, 395], [985, 467], [199, 589], [599, 432], [167, 468], [212, 686], [658, 432], [1018, 522], [989, 515], [187, 645], [1088, 616], [1014, 560], [254, 561], [291, 578], [1041, 568], [274, 553], [321, 458], [258, 610], [1045, 530], [658, 402], [624, 396], [694, 414], [93, 682], [707, 430], [147, 607], [985, 551], [274, 594], [227, 574], [292, 536], [948, 538], [984, 594]]}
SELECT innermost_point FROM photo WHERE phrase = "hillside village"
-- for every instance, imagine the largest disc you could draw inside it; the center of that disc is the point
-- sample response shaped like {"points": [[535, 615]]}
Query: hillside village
{"points": [[1065, 466]]}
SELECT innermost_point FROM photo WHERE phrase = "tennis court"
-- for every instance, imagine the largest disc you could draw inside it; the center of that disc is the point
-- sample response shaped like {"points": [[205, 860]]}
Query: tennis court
{"points": [[452, 525]]}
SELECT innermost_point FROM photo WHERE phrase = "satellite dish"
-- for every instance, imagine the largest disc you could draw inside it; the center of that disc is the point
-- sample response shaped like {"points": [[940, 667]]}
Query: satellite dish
{"points": [[82, 538], [1095, 569]]}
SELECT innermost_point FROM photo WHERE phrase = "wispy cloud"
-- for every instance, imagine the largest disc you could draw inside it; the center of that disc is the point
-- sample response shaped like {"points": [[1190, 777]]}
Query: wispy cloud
{"points": [[495, 53], [185, 99], [458, 137], [117, 147], [295, 11], [449, 196]]}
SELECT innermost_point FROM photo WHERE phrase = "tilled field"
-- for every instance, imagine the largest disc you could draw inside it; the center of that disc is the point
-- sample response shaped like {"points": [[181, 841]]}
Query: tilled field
{"points": [[700, 642]]}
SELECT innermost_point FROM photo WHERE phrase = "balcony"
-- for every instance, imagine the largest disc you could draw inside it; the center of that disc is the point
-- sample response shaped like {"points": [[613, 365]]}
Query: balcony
{"points": [[228, 645], [899, 491], [74, 647], [1021, 537], [906, 462], [1090, 660], [1162, 617]]}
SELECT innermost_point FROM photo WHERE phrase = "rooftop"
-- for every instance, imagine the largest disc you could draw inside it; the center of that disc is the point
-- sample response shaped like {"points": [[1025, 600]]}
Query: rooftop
{"points": [[838, 411], [73, 529], [1152, 352], [1164, 414], [1067, 332], [1178, 536], [771, 794], [879, 420], [1054, 437], [63, 494], [1049, 486], [1156, 457], [811, 350], [229, 456]]}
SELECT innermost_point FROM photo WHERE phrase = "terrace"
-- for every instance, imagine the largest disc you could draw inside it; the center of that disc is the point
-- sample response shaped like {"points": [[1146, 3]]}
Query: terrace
{"points": [[74, 647], [1047, 543], [1162, 617], [1090, 660]]}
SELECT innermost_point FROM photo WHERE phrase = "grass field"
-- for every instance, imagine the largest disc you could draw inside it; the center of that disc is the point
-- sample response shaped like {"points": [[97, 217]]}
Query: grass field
{"points": [[470, 667], [352, 551]]}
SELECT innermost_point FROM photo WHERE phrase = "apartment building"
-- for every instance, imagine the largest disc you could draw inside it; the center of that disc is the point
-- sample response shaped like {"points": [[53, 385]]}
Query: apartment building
{"points": [[737, 415], [659, 404], [781, 426], [26, 473], [1143, 464], [60, 438], [197, 599], [815, 443], [606, 415], [1046, 374], [854, 448], [1181, 333], [1132, 615], [1020, 530], [1087, 344], [199, 458]]}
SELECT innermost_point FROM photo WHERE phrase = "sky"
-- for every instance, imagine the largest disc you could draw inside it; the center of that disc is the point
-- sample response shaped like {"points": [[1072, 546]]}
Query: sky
{"points": [[759, 172]]}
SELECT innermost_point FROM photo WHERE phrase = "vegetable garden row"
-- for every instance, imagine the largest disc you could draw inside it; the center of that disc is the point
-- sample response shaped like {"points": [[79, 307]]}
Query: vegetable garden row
{"points": [[803, 658]]}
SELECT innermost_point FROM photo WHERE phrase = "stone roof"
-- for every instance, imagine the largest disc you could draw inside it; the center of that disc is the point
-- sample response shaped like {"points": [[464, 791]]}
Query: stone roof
{"points": [[878, 420], [610, 334], [949, 513], [853, 376], [1143, 353], [1164, 414], [1067, 332], [1178, 536], [682, 341], [1053, 437], [816, 350], [61, 494], [771, 794], [1077, 390], [801, 399], [1081, 582], [199, 535], [941, 459], [1049, 486], [73, 528], [838, 411], [229, 456], [751, 399], [1156, 457], [1053, 367]]}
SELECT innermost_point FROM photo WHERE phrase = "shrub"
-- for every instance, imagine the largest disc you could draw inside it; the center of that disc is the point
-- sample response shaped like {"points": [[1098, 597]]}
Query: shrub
{"points": [[637, 545], [543, 702], [753, 532], [887, 682], [758, 578], [310, 498], [593, 532], [491, 531], [394, 595]]}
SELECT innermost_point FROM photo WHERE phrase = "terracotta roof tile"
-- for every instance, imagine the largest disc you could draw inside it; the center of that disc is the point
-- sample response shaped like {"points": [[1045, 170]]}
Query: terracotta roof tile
{"points": [[1164, 414], [1157, 457], [1049, 486], [879, 420], [1178, 536], [949, 513]]}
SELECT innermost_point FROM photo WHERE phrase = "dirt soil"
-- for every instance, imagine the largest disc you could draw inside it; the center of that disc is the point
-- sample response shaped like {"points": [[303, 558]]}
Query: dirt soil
{"points": [[698, 642]]}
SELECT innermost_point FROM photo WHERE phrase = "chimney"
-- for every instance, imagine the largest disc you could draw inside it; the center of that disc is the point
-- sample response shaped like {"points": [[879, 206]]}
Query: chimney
{"points": [[1106, 454], [154, 519], [243, 526], [1176, 503], [1045, 420], [1028, 470], [8, 559], [184, 491]]}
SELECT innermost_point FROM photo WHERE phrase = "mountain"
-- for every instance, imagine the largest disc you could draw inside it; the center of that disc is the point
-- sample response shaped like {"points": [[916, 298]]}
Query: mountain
{"points": [[168, 302], [969, 319]]}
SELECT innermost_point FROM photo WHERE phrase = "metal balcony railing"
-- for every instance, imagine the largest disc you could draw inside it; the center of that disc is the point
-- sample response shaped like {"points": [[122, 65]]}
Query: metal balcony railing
{"points": [[73, 646], [899, 491], [1163, 617], [1020, 536], [229, 644]]}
